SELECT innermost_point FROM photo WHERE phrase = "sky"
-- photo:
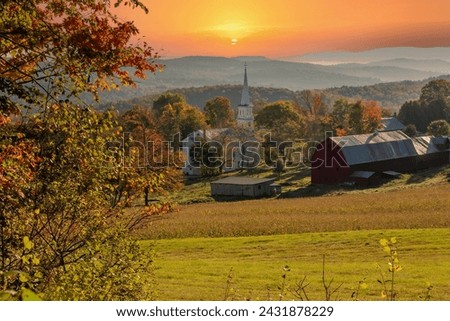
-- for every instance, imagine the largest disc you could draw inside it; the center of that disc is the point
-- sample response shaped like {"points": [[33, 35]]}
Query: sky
{"points": [[284, 28]]}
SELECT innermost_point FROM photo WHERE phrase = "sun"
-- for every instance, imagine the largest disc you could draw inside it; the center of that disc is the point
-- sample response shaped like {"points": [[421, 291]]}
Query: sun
{"points": [[230, 28], [234, 41]]}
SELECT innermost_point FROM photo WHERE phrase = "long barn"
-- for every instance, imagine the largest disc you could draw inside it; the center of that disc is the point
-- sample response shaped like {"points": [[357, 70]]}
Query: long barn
{"points": [[244, 187], [337, 158]]}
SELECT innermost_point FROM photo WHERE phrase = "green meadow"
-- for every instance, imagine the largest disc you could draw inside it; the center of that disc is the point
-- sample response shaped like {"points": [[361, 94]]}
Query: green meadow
{"points": [[199, 268]]}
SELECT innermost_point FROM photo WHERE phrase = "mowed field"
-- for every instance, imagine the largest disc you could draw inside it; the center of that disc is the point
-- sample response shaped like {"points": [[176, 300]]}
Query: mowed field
{"points": [[198, 268], [198, 244]]}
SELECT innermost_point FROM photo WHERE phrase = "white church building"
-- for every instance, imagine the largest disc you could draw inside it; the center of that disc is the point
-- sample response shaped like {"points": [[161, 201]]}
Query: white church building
{"points": [[232, 139]]}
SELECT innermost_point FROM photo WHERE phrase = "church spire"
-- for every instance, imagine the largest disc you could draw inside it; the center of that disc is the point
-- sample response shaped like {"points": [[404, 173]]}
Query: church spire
{"points": [[245, 98], [245, 109]]}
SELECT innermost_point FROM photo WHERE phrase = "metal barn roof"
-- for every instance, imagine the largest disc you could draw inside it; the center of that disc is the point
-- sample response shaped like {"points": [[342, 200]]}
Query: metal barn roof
{"points": [[391, 124], [377, 137], [233, 180], [440, 140], [392, 173], [362, 174], [379, 146]]}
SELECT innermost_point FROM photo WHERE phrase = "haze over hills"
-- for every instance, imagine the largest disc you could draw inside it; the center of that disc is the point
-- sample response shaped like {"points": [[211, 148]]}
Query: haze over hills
{"points": [[434, 65], [200, 71], [379, 54], [380, 65]]}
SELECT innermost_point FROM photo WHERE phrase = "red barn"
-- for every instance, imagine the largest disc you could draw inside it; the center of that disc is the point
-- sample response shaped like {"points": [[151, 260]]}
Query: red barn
{"points": [[337, 158]]}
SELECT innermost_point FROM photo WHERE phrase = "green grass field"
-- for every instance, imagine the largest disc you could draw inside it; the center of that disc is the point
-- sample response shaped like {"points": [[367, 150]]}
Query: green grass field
{"points": [[197, 268], [197, 245]]}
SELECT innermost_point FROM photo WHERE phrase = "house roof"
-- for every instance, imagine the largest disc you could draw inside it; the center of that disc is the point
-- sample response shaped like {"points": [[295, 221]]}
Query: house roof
{"points": [[209, 134], [235, 180], [379, 146], [218, 133], [441, 140], [391, 124]]}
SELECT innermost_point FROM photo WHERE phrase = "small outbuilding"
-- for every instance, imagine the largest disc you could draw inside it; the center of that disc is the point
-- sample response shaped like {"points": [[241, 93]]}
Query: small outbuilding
{"points": [[243, 186], [363, 178], [389, 124]]}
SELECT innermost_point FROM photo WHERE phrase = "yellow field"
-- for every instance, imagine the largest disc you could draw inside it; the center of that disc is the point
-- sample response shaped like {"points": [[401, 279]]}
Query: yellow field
{"points": [[421, 207]]}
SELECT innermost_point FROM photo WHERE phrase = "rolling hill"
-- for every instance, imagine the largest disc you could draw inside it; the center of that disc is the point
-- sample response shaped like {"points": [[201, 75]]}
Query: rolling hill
{"points": [[374, 55], [199, 71]]}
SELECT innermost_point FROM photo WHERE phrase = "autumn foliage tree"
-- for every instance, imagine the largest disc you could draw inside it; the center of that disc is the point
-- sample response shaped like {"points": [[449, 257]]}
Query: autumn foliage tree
{"points": [[180, 119], [355, 118], [166, 99], [218, 112], [371, 115], [282, 120], [318, 118], [62, 237], [151, 154]]}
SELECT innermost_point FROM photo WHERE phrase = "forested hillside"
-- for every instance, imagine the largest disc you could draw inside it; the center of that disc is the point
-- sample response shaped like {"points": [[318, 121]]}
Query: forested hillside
{"points": [[389, 95]]}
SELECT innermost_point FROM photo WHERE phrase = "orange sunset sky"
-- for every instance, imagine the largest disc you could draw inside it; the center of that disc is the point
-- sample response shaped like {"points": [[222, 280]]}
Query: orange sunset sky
{"points": [[281, 28]]}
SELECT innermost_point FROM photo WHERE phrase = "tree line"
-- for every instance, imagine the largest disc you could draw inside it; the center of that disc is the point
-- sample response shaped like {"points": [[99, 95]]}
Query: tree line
{"points": [[307, 117], [390, 95], [431, 112], [285, 119]]}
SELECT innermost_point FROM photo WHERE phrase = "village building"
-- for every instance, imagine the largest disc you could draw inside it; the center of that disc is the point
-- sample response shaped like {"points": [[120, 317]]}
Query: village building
{"points": [[358, 157], [388, 124], [228, 140], [244, 187], [234, 141]]}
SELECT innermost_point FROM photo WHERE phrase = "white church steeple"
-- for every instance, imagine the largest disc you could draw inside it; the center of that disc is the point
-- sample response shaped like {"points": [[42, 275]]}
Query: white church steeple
{"points": [[245, 109]]}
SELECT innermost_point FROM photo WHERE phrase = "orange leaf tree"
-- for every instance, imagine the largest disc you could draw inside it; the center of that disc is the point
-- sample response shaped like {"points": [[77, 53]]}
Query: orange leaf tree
{"points": [[60, 235], [355, 118], [67, 47]]}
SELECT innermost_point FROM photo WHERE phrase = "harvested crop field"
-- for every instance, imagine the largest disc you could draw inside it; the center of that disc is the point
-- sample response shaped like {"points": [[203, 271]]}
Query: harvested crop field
{"points": [[421, 207]]}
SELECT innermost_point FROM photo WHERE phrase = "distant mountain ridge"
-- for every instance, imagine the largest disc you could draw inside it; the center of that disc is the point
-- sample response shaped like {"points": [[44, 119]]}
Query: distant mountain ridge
{"points": [[434, 65], [199, 71], [379, 54]]}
